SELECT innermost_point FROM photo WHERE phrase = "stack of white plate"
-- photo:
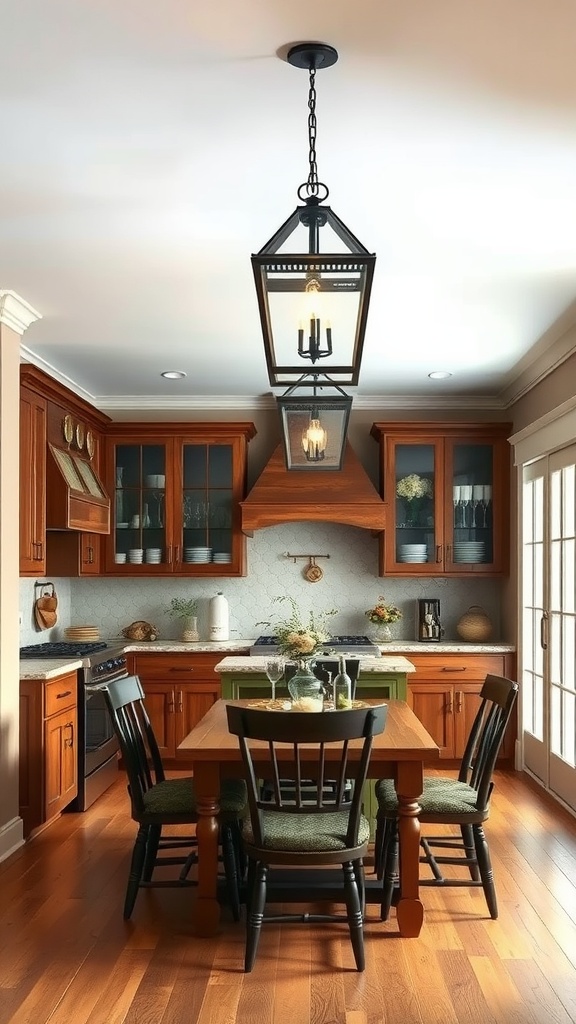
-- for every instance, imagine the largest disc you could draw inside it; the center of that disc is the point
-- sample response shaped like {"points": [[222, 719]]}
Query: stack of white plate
{"points": [[221, 556], [469, 551], [153, 555], [136, 555], [82, 633], [413, 553], [198, 554]]}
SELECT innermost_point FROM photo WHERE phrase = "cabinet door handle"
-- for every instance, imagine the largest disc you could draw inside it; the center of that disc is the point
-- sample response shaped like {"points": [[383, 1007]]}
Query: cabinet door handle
{"points": [[180, 701], [544, 631], [449, 705], [90, 555], [70, 742], [438, 553], [459, 696], [169, 556], [446, 668], [448, 552], [171, 703], [177, 554], [66, 693], [179, 669]]}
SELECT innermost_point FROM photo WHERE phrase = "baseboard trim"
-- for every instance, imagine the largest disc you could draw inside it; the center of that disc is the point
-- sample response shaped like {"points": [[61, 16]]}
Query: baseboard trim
{"points": [[11, 837]]}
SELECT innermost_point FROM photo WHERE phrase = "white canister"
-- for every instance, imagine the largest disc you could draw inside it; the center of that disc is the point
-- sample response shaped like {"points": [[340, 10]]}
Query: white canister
{"points": [[219, 618]]}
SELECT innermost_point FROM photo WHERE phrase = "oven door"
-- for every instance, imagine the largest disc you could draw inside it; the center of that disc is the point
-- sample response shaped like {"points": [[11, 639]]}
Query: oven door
{"points": [[100, 741]]}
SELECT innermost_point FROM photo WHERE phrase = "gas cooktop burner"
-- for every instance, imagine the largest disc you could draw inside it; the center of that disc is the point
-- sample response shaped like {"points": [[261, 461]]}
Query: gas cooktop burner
{"points": [[62, 650], [351, 644]]}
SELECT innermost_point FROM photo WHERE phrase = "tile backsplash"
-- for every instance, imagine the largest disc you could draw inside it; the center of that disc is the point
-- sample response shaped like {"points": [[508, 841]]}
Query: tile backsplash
{"points": [[349, 584]]}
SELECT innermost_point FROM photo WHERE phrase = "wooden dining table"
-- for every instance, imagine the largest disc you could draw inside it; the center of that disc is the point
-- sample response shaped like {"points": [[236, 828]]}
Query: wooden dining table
{"points": [[398, 753]]}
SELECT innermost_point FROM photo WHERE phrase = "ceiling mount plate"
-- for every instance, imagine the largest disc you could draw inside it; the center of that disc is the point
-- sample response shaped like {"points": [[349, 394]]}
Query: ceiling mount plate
{"points": [[312, 55]]}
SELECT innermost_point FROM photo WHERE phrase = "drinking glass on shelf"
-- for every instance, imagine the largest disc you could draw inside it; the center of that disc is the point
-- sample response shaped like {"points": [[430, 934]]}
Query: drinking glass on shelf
{"points": [[486, 500], [274, 671]]}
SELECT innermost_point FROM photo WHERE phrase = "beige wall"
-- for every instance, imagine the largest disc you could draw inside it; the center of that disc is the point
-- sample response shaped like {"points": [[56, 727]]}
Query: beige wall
{"points": [[558, 387], [10, 822]]}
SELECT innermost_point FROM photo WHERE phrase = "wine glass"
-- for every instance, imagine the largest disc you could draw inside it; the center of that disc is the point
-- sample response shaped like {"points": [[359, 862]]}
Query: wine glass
{"points": [[274, 671]]}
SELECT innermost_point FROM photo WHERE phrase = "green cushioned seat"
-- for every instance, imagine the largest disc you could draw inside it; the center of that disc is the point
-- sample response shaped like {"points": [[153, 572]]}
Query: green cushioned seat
{"points": [[303, 833], [177, 796], [440, 796]]}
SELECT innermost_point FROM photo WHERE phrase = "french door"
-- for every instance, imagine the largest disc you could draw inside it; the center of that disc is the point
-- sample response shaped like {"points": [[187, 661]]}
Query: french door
{"points": [[548, 573]]}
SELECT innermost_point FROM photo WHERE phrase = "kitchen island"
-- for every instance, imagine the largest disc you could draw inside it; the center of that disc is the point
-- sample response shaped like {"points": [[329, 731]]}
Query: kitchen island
{"points": [[384, 677]]}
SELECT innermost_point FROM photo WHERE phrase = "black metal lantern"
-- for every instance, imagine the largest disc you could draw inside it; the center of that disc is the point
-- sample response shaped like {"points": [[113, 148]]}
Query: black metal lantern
{"points": [[314, 426], [313, 277]]}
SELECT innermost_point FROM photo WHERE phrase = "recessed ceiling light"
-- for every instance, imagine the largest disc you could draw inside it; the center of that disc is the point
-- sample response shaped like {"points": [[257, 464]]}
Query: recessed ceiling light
{"points": [[173, 374], [439, 374]]}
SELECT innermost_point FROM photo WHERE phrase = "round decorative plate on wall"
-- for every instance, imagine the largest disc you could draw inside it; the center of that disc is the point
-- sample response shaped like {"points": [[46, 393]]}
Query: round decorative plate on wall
{"points": [[90, 446], [80, 436], [68, 428]]}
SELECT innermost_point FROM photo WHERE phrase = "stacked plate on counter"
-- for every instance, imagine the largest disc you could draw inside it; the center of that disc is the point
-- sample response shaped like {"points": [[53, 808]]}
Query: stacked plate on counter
{"points": [[197, 554], [413, 553], [221, 557], [469, 551], [82, 634]]}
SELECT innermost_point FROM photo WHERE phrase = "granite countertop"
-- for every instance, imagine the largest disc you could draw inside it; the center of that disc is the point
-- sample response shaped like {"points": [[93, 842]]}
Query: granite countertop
{"points": [[387, 663], [445, 647], [50, 668], [196, 647]]}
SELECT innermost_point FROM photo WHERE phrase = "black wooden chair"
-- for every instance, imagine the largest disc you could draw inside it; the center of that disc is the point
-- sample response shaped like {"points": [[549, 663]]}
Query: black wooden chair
{"points": [[463, 801], [157, 802], [310, 829]]}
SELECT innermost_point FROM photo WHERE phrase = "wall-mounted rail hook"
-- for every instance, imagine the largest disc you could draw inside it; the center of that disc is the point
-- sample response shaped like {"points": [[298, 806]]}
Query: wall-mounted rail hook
{"points": [[309, 557]]}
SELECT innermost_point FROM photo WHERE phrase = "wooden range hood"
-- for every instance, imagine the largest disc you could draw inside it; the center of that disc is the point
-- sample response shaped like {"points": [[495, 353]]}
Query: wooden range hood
{"points": [[346, 496]]}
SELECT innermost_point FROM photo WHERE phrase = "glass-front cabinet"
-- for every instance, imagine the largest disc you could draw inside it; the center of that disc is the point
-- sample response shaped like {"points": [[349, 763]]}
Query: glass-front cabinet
{"points": [[447, 492], [176, 499]]}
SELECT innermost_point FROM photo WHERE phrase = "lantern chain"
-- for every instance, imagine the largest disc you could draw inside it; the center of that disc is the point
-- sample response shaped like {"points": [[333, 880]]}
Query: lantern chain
{"points": [[312, 184]]}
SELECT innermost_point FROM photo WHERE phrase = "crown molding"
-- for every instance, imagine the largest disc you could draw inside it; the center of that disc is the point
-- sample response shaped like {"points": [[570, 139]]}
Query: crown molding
{"points": [[16, 313], [552, 350]]}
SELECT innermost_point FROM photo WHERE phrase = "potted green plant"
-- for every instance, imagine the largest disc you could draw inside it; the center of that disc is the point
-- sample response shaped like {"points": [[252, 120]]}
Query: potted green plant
{"points": [[185, 609]]}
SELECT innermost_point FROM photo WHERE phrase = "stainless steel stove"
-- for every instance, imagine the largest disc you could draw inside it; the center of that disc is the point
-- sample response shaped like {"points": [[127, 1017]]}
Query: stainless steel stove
{"points": [[97, 744], [352, 645]]}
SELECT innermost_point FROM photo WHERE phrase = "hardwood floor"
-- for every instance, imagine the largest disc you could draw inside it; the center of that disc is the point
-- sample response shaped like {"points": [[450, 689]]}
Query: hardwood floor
{"points": [[66, 955]]}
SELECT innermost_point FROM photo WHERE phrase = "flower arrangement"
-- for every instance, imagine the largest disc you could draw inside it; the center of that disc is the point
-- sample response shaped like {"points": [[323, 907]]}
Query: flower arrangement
{"points": [[297, 639], [383, 613], [183, 608], [414, 486]]}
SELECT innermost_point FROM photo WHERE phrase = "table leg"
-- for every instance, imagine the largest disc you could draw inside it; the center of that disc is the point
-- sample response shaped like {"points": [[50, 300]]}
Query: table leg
{"points": [[409, 909], [207, 908]]}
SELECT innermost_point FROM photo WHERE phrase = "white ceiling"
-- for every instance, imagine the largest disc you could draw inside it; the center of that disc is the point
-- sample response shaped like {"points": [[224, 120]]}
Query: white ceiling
{"points": [[149, 148]]}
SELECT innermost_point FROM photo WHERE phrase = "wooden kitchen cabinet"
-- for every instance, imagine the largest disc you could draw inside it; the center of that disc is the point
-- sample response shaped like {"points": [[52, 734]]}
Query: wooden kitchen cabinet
{"points": [[32, 483], [48, 748], [73, 554], [179, 689], [177, 490], [457, 521], [444, 694]]}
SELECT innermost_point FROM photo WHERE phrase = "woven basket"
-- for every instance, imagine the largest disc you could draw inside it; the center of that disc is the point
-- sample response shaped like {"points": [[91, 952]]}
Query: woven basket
{"points": [[474, 626]]}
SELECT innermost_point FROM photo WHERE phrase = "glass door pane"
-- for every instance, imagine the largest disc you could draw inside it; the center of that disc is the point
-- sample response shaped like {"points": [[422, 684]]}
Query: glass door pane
{"points": [[472, 484], [140, 512], [207, 502], [562, 662], [534, 616], [415, 470]]}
